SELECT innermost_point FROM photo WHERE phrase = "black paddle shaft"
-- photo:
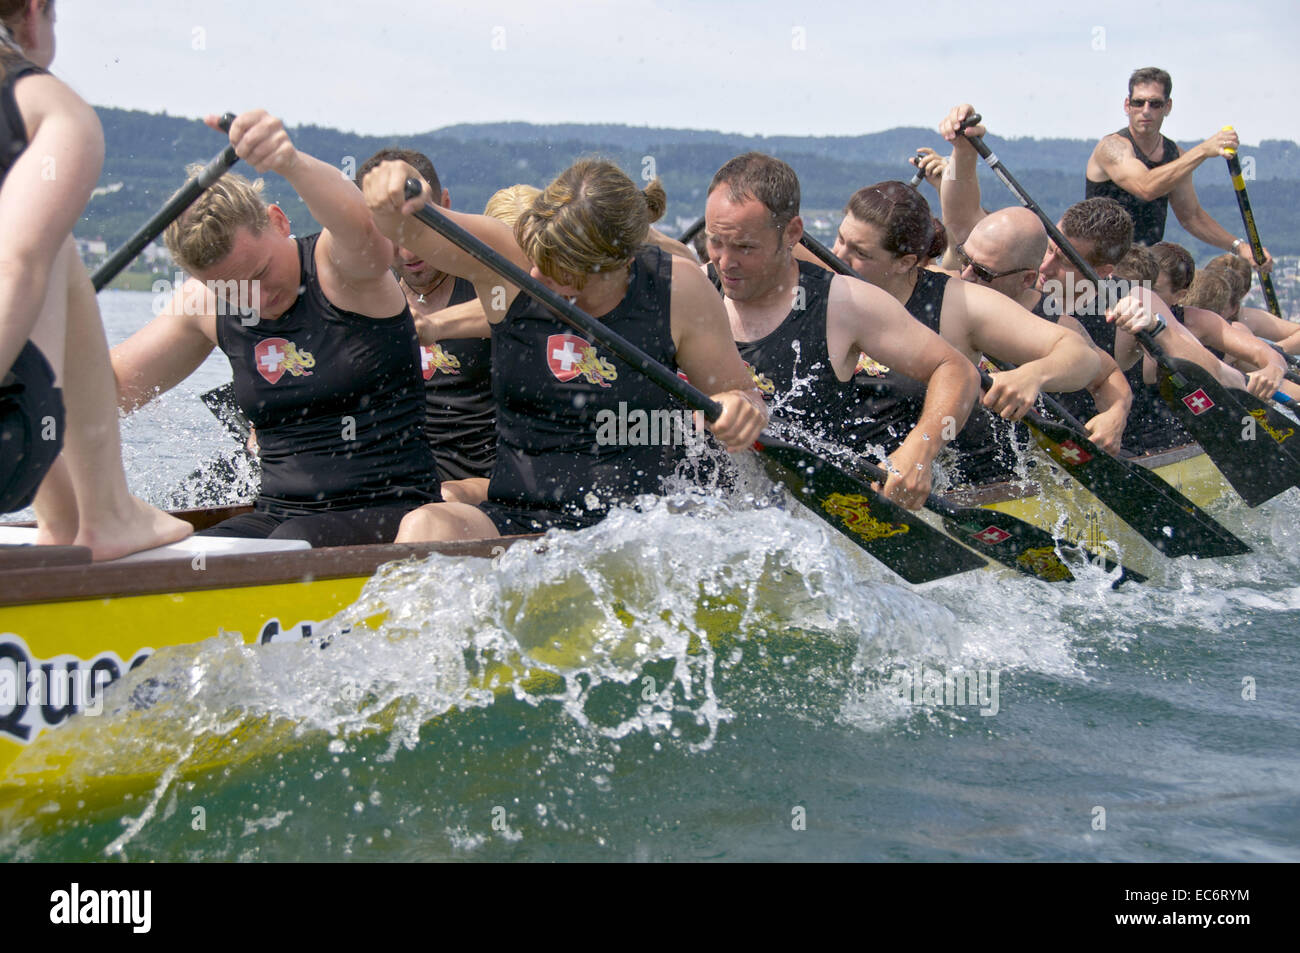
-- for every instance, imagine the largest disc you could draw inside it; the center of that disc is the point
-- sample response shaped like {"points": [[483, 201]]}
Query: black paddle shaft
{"points": [[177, 204]]}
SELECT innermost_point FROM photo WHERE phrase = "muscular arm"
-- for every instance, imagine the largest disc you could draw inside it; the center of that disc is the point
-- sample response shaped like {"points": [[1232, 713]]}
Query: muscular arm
{"points": [[863, 318], [465, 320], [706, 353], [1269, 326], [959, 190], [1114, 157], [166, 350], [1110, 392], [1187, 207], [43, 196], [1237, 342], [1136, 312], [978, 320]]}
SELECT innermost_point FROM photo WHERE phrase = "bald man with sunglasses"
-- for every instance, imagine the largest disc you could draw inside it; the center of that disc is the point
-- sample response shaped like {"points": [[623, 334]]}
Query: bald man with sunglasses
{"points": [[1148, 174]]}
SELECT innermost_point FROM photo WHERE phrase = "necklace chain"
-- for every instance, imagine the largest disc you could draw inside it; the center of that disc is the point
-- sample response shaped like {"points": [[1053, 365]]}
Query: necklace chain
{"points": [[431, 289]]}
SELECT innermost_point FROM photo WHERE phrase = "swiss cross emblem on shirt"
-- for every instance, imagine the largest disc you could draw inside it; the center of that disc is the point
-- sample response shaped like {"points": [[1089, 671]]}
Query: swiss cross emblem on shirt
{"points": [[992, 535], [269, 356], [569, 356], [1198, 402], [274, 357], [1071, 452]]}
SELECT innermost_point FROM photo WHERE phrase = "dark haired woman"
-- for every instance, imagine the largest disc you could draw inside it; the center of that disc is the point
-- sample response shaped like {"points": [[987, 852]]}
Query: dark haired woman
{"points": [[888, 235]]}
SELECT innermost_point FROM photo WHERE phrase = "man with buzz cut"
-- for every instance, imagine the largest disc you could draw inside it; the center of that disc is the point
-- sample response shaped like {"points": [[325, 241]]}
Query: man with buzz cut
{"points": [[801, 329], [1147, 173]]}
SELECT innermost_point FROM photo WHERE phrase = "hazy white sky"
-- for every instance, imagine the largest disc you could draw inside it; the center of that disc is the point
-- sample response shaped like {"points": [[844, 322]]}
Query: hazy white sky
{"points": [[812, 67]]}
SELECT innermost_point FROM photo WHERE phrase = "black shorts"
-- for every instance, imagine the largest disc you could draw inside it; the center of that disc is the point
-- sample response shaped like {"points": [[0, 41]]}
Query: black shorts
{"points": [[31, 427], [518, 520], [371, 524]]}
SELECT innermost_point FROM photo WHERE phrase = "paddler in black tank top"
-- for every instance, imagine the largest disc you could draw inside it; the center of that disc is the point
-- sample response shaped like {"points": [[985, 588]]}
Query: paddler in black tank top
{"points": [[455, 356], [887, 232], [1146, 172], [582, 238], [326, 365], [753, 224], [52, 346]]}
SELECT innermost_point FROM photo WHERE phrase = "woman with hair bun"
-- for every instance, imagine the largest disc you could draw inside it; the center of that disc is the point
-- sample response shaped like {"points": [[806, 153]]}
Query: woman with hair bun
{"points": [[584, 238], [888, 235]]}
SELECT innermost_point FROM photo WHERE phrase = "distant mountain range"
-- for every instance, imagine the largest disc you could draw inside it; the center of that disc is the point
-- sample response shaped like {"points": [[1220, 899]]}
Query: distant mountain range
{"points": [[147, 154]]}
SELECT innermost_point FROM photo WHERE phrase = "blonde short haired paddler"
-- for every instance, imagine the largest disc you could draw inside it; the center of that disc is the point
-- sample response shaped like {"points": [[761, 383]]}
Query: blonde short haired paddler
{"points": [[51, 336], [326, 365], [581, 238]]}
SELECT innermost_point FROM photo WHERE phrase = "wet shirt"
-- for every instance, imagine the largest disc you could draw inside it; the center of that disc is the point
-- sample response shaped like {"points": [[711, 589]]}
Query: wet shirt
{"points": [[1151, 426], [337, 400], [460, 413], [578, 429], [791, 366], [1148, 217]]}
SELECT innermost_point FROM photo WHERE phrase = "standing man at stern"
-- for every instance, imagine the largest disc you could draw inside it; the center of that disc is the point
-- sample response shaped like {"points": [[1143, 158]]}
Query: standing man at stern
{"points": [[1147, 173]]}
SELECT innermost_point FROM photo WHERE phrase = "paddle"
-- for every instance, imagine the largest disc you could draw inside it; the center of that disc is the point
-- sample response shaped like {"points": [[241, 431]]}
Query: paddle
{"points": [[898, 538], [1252, 233], [1257, 469], [1006, 538], [691, 231], [1160, 514], [177, 204], [919, 177]]}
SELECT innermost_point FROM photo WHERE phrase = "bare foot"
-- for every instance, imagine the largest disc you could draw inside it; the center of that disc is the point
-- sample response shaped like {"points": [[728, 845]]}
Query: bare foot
{"points": [[141, 527], [55, 535]]}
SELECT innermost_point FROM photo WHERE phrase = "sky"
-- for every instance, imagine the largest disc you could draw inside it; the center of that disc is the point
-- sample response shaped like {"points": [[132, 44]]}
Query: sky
{"points": [[812, 67]]}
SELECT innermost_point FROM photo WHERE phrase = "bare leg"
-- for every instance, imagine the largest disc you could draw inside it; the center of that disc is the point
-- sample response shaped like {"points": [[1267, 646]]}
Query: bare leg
{"points": [[56, 507], [111, 521], [473, 490], [445, 521]]}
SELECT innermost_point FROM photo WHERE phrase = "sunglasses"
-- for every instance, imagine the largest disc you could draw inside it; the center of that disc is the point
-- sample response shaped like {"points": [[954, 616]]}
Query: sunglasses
{"points": [[982, 273], [1153, 103]]}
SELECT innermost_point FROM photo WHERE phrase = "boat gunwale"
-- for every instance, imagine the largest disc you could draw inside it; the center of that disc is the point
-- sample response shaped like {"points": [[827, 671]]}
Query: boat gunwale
{"points": [[33, 586]]}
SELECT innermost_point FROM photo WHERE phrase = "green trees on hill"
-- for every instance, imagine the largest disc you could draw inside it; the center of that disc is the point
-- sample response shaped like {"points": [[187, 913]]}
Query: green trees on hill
{"points": [[148, 153]]}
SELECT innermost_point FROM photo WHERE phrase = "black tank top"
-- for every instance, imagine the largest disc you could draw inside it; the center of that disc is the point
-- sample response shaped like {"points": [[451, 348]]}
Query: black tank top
{"points": [[337, 400], [460, 414], [13, 131], [1148, 217], [578, 430], [792, 369]]}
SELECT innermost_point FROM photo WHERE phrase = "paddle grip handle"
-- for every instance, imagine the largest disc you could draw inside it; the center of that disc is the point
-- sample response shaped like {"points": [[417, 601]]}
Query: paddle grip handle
{"points": [[920, 176], [574, 317]]}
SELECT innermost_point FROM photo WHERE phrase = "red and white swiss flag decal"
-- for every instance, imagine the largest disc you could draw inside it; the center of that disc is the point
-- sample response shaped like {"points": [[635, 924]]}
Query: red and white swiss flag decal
{"points": [[269, 357], [1198, 401], [1073, 453], [564, 355], [992, 535], [426, 361]]}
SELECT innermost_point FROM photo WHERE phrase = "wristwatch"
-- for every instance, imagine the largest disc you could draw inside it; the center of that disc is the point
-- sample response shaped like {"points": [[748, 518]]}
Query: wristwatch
{"points": [[1161, 324], [1236, 243]]}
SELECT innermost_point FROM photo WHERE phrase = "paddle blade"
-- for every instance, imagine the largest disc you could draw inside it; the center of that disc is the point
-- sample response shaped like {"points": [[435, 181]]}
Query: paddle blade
{"points": [[1165, 518], [1246, 449], [1020, 545], [897, 537]]}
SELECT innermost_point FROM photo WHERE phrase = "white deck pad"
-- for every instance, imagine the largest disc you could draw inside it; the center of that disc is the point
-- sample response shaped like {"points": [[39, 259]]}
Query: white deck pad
{"points": [[185, 549]]}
